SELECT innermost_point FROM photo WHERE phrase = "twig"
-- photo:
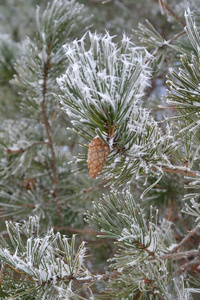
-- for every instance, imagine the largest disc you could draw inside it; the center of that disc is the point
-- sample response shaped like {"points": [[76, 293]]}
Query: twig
{"points": [[22, 274], [175, 15], [95, 278], [92, 279], [99, 1], [165, 6], [138, 295], [165, 44], [95, 187], [192, 263], [162, 4], [191, 233], [162, 108], [83, 231], [176, 36], [178, 255], [55, 112], [177, 217], [145, 249], [154, 289], [28, 205], [22, 150], [48, 129], [177, 170], [170, 211], [1, 273], [157, 50]]}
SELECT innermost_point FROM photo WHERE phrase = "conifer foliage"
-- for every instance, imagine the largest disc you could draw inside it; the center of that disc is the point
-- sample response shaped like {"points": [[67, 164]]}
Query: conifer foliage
{"points": [[105, 84], [138, 228]]}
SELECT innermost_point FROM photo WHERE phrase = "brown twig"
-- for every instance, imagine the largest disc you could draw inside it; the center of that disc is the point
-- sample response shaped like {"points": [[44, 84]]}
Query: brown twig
{"points": [[97, 278], [112, 275], [48, 129], [146, 249], [176, 37], [178, 255], [55, 112], [21, 273], [138, 295], [195, 262], [1, 273], [167, 7], [170, 254], [161, 108], [191, 233], [99, 1], [92, 279], [177, 170], [112, 133], [95, 187], [156, 294], [22, 150], [175, 15], [162, 4], [82, 231], [154, 289], [157, 50], [28, 205], [169, 212]]}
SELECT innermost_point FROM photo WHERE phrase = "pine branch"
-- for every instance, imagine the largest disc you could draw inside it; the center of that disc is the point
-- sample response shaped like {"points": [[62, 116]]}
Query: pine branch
{"points": [[107, 99], [136, 240], [43, 260], [41, 62], [48, 129], [102, 94]]}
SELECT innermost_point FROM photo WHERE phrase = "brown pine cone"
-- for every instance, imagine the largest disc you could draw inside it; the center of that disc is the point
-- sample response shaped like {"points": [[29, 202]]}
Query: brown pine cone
{"points": [[97, 154]]}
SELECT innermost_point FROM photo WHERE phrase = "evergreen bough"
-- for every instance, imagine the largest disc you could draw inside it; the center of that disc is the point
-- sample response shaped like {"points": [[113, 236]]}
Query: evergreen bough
{"points": [[101, 86]]}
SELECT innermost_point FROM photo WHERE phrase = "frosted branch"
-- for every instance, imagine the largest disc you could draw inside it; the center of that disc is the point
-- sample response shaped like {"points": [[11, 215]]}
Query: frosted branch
{"points": [[188, 236]]}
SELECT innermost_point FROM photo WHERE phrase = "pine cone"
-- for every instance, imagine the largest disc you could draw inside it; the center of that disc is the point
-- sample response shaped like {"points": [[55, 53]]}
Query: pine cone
{"points": [[97, 154]]}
